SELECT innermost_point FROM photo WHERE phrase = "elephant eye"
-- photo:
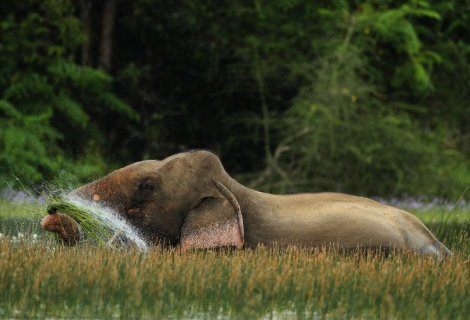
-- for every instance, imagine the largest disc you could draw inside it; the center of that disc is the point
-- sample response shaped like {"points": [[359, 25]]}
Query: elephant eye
{"points": [[145, 187]]}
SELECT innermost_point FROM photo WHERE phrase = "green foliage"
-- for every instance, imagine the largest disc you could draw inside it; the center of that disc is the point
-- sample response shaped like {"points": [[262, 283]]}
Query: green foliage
{"points": [[394, 27], [46, 97], [365, 98], [25, 142], [341, 133], [356, 126]]}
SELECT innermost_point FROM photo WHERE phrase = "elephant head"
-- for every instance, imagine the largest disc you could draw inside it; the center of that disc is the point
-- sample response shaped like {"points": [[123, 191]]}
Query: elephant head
{"points": [[183, 199]]}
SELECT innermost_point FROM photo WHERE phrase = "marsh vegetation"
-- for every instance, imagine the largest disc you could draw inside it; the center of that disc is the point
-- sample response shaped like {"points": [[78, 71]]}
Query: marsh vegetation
{"points": [[41, 278], [363, 97]]}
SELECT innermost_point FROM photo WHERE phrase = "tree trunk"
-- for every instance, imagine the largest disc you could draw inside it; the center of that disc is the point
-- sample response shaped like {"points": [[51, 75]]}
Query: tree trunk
{"points": [[85, 17], [109, 13]]}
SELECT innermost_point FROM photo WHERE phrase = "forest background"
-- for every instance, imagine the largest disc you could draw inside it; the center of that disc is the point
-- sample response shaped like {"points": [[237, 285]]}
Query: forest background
{"points": [[364, 97]]}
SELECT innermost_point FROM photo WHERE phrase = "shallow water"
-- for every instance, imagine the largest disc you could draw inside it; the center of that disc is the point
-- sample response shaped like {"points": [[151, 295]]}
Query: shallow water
{"points": [[111, 220]]}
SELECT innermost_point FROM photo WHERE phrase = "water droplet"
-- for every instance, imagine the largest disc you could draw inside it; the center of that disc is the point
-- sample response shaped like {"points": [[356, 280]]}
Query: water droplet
{"points": [[111, 219]]}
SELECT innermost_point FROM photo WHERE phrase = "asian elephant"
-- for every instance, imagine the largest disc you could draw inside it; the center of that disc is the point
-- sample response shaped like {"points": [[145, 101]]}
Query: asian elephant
{"points": [[189, 200]]}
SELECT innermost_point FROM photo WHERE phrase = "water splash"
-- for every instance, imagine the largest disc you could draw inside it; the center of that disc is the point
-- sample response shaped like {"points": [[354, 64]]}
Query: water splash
{"points": [[111, 220]]}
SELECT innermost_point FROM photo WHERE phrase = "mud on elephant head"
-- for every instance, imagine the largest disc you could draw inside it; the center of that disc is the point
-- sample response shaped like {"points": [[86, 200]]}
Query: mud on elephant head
{"points": [[189, 200]]}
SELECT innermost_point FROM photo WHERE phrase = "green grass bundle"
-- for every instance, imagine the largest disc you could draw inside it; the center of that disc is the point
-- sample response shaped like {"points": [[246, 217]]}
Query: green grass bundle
{"points": [[92, 228]]}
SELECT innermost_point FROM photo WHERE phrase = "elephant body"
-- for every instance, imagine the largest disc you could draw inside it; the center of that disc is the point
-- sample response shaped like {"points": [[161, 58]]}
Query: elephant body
{"points": [[189, 200], [334, 219]]}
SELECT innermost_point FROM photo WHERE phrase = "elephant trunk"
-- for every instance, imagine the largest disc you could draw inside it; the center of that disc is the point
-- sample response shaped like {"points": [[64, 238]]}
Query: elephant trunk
{"points": [[67, 228]]}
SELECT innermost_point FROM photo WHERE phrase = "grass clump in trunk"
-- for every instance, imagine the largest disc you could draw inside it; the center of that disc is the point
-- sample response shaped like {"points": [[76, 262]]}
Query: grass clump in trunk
{"points": [[92, 228]]}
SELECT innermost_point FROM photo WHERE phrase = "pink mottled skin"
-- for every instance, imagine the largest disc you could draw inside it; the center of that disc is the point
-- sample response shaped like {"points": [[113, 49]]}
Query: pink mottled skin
{"points": [[188, 199]]}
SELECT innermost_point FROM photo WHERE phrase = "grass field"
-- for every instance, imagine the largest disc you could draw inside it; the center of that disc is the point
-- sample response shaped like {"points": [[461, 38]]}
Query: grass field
{"points": [[39, 278]]}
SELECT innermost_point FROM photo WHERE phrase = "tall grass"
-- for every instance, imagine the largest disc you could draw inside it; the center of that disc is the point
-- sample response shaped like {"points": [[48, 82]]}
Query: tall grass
{"points": [[41, 278], [89, 281]]}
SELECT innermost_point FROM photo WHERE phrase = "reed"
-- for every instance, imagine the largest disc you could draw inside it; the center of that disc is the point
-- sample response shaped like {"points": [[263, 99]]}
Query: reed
{"points": [[43, 279], [40, 280]]}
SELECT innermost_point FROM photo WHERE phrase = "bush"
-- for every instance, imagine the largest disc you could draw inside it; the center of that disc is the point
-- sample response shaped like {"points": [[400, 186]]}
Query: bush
{"points": [[346, 130], [50, 106]]}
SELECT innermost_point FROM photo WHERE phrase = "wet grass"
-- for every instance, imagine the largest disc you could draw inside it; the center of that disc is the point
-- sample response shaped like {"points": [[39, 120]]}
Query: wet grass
{"points": [[91, 227], [39, 278]]}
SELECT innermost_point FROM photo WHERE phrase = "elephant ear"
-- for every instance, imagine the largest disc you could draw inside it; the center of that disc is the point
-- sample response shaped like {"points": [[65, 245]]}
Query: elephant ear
{"points": [[215, 222]]}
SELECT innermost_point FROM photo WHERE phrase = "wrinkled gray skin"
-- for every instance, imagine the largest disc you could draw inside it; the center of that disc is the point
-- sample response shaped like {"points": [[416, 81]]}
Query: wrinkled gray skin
{"points": [[189, 200]]}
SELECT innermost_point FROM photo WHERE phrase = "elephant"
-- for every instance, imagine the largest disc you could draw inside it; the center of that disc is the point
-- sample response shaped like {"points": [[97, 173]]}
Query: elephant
{"points": [[189, 200]]}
